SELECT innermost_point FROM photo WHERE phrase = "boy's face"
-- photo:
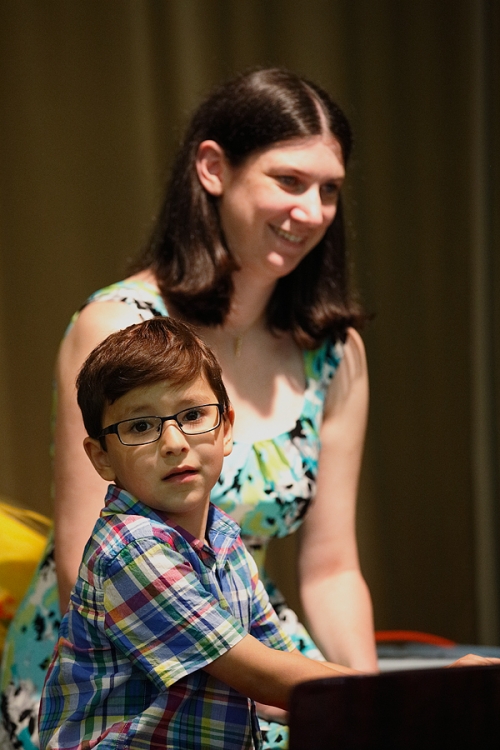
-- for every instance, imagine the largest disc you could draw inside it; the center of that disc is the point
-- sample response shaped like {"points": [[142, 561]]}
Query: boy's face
{"points": [[176, 473]]}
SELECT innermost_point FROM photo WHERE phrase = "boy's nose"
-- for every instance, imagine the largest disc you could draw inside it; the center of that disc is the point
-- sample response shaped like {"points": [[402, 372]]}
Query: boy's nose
{"points": [[172, 439]]}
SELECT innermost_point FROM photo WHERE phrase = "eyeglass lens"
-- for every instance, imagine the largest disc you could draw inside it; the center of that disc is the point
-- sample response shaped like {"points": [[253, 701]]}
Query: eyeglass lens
{"points": [[192, 421]]}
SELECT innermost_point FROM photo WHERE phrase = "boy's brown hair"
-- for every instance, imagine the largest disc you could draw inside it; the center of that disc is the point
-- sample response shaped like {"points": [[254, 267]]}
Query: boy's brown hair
{"points": [[144, 354]]}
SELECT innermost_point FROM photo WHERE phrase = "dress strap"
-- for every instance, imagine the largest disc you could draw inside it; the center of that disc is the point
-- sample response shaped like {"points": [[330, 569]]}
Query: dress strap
{"points": [[140, 294], [321, 364]]}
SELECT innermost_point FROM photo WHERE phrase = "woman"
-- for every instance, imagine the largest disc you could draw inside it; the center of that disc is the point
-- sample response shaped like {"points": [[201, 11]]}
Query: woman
{"points": [[249, 248]]}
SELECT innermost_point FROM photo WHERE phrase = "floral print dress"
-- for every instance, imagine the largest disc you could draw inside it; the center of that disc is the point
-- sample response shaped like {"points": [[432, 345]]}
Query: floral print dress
{"points": [[266, 486]]}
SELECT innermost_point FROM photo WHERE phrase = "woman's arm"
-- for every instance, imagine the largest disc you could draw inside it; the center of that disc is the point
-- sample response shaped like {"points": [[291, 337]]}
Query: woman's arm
{"points": [[334, 594], [78, 489]]}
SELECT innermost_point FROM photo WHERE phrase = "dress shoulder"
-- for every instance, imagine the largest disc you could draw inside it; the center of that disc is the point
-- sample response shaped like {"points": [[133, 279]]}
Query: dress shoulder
{"points": [[141, 294], [321, 364]]}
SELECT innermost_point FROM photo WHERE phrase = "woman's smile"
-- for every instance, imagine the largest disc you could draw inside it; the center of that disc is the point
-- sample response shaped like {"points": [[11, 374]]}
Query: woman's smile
{"points": [[295, 239], [278, 204]]}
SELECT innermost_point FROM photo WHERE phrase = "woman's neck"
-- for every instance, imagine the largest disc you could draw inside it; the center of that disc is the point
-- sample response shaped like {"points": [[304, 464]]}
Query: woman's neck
{"points": [[248, 305], [246, 316], [245, 322]]}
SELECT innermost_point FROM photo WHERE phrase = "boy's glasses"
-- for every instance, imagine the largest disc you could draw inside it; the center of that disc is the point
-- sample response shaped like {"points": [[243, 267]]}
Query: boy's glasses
{"points": [[142, 430]]}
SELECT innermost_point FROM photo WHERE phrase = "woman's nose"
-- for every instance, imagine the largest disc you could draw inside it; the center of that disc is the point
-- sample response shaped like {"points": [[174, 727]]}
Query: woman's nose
{"points": [[172, 439], [309, 208]]}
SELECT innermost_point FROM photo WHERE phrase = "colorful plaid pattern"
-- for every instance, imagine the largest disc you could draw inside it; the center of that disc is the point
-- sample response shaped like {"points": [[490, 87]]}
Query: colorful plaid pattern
{"points": [[152, 606]]}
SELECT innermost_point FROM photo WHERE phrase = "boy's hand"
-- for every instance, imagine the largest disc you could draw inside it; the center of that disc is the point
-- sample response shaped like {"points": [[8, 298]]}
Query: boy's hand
{"points": [[472, 660], [271, 713]]}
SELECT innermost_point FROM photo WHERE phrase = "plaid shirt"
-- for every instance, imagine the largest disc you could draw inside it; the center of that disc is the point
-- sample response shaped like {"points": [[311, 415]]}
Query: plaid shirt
{"points": [[152, 606]]}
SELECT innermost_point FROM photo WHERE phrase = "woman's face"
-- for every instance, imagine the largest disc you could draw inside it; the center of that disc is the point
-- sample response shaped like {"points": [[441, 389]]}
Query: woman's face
{"points": [[278, 204]]}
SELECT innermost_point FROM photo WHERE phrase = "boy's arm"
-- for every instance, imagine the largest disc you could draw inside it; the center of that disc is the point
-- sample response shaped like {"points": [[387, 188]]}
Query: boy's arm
{"points": [[268, 675]]}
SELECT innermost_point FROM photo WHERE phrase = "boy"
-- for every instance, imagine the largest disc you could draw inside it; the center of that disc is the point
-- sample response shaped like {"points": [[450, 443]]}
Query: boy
{"points": [[168, 629]]}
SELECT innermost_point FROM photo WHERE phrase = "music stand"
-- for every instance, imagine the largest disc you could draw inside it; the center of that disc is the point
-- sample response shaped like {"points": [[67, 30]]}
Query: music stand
{"points": [[421, 709]]}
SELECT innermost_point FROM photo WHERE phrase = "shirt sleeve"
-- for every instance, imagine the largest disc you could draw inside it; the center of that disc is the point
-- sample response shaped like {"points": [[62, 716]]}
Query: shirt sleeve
{"points": [[265, 623], [159, 615]]}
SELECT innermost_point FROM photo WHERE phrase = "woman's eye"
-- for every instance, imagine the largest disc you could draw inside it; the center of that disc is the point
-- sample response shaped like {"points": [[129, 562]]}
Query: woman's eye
{"points": [[288, 181], [330, 191]]}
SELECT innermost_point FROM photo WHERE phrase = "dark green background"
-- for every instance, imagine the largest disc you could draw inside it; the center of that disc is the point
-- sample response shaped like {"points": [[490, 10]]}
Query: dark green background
{"points": [[93, 96]]}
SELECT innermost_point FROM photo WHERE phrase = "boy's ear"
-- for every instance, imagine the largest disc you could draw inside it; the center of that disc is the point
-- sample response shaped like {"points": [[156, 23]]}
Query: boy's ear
{"points": [[210, 164], [227, 422], [99, 458]]}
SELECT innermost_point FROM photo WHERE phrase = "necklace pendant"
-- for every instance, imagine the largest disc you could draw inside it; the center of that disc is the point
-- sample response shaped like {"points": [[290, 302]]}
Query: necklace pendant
{"points": [[238, 344]]}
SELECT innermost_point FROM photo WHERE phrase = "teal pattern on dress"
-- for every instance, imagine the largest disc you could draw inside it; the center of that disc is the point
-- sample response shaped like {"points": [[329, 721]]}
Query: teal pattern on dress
{"points": [[266, 487]]}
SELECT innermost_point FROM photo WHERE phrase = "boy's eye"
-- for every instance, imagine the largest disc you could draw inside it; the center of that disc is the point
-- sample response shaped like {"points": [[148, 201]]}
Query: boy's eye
{"points": [[191, 415], [140, 426]]}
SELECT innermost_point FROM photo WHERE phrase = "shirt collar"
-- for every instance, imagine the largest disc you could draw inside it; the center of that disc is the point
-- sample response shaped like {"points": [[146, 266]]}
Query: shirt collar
{"points": [[222, 531]]}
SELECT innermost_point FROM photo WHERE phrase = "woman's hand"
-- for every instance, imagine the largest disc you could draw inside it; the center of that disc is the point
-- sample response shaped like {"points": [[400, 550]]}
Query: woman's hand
{"points": [[272, 713], [473, 660]]}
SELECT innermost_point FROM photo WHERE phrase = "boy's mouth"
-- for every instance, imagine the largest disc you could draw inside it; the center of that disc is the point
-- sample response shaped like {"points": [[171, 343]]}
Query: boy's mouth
{"points": [[177, 475]]}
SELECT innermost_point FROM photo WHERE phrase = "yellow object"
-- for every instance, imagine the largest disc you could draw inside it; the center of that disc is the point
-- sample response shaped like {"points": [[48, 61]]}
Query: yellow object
{"points": [[23, 534]]}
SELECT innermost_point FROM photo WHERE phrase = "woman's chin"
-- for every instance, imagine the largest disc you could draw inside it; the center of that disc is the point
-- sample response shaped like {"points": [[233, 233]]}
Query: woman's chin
{"points": [[284, 263]]}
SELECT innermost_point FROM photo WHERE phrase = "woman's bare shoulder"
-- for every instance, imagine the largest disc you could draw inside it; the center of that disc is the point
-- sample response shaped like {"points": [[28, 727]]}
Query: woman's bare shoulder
{"points": [[351, 379], [354, 348], [92, 325]]}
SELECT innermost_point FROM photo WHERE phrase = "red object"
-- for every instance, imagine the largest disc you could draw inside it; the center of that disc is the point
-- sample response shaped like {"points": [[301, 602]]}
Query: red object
{"points": [[412, 636]]}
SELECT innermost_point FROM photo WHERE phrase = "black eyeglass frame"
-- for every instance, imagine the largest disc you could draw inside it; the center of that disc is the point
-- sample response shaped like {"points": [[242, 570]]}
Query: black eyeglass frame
{"points": [[112, 429]]}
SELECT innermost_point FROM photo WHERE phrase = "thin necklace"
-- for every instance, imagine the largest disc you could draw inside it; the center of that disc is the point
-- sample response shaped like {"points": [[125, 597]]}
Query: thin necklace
{"points": [[238, 341], [238, 344]]}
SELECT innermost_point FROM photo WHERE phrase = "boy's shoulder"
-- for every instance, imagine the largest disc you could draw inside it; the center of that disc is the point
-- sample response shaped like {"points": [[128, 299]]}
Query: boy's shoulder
{"points": [[124, 521], [114, 532], [127, 526]]}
